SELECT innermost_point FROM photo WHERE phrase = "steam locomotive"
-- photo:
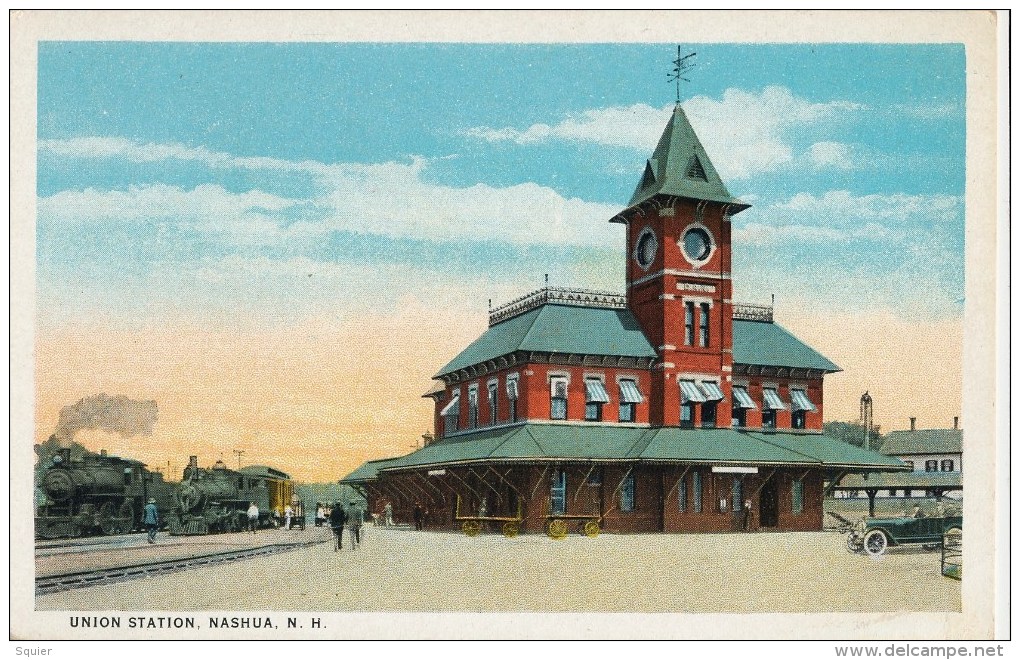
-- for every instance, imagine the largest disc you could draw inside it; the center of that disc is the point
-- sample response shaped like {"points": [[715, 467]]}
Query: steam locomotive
{"points": [[98, 493], [216, 499]]}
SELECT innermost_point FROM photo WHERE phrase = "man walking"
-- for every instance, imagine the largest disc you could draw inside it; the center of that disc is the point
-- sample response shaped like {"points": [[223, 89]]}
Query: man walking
{"points": [[355, 518], [419, 516], [337, 519], [151, 519], [253, 517]]}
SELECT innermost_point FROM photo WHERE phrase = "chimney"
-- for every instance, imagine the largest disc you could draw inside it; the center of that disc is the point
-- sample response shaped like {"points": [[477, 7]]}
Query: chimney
{"points": [[913, 423], [956, 423], [193, 461], [102, 452]]}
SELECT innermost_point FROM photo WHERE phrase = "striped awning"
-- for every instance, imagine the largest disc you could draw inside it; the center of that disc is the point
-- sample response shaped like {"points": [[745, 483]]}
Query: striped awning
{"points": [[689, 392], [801, 402], [452, 408], [772, 400], [712, 391], [741, 399], [595, 391], [629, 392]]}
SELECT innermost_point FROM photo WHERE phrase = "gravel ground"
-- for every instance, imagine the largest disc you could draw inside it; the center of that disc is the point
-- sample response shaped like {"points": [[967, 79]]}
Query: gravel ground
{"points": [[403, 570]]}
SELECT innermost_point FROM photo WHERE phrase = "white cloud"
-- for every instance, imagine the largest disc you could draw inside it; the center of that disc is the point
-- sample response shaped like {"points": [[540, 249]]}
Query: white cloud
{"points": [[841, 207], [390, 199], [831, 155], [745, 133]]}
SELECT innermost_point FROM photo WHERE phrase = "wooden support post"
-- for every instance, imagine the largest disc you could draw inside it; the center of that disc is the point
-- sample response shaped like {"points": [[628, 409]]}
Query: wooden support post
{"points": [[499, 498], [871, 501], [679, 479], [583, 482], [835, 482]]}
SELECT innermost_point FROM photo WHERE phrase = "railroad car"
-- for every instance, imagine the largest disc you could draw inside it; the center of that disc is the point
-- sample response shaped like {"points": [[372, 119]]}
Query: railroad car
{"points": [[97, 494], [216, 499]]}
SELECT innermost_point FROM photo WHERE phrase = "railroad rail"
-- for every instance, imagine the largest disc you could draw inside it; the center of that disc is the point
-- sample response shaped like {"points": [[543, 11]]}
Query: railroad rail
{"points": [[49, 584]]}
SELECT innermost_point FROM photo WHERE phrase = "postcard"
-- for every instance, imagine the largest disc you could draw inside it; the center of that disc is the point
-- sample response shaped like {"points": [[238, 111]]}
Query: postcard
{"points": [[417, 325]]}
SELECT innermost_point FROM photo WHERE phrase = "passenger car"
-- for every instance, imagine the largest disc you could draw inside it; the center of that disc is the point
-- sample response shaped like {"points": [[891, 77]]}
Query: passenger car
{"points": [[875, 535]]}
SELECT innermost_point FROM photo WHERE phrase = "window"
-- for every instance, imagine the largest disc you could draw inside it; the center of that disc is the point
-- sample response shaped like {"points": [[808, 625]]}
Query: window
{"points": [[696, 488], [800, 401], [472, 406], [127, 476], [493, 402], [713, 395], [595, 397], [512, 393], [627, 493], [910, 464], [738, 494], [947, 465], [595, 477], [681, 495], [798, 419], [931, 466], [798, 496], [690, 394], [771, 403], [695, 170], [742, 402], [558, 492], [451, 413], [630, 396], [689, 324], [558, 403], [704, 325]]}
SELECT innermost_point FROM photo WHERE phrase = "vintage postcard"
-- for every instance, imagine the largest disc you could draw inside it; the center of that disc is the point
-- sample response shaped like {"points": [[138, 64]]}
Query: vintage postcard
{"points": [[506, 325]]}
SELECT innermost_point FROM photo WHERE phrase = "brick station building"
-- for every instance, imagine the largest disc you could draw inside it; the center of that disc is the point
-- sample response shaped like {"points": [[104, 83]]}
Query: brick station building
{"points": [[670, 408]]}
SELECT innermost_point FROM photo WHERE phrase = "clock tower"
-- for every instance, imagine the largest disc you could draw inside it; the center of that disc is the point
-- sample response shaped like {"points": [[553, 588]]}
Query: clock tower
{"points": [[679, 283]]}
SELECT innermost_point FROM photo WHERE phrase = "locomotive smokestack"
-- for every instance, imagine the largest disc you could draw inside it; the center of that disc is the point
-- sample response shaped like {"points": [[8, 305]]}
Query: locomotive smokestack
{"points": [[956, 423], [913, 423], [193, 461], [102, 452]]}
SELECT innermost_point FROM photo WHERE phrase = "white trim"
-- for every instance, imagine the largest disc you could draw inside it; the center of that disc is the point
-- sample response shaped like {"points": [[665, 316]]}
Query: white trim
{"points": [[637, 242], [667, 347], [594, 375], [698, 300], [493, 381], [734, 469], [550, 376], [680, 273]]}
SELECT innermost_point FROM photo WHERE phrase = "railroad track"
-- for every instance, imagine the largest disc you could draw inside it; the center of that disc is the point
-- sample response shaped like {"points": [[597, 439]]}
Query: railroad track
{"points": [[49, 584]]}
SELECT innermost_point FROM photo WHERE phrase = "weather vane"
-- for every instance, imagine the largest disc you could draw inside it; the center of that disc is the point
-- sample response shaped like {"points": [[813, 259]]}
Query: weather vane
{"points": [[681, 65]]}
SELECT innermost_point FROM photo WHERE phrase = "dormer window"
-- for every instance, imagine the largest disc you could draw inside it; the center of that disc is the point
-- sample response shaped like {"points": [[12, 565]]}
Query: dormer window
{"points": [[630, 396], [451, 412], [772, 403], [493, 401], [473, 406], [512, 393], [695, 169]]}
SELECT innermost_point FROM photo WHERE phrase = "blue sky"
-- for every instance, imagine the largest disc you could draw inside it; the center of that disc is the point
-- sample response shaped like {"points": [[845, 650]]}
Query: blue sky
{"points": [[283, 181]]}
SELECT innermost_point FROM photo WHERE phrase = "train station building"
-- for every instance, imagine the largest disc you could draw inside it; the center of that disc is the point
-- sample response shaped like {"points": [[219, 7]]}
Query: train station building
{"points": [[668, 407]]}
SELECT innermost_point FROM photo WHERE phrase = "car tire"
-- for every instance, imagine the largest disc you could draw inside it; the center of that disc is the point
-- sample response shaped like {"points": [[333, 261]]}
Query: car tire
{"points": [[876, 543]]}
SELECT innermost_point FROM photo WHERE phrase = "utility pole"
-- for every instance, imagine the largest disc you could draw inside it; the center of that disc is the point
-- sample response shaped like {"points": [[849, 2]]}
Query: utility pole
{"points": [[240, 453]]}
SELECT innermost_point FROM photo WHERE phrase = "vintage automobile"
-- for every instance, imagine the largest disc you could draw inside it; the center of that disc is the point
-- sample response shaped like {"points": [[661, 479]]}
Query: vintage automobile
{"points": [[875, 535]]}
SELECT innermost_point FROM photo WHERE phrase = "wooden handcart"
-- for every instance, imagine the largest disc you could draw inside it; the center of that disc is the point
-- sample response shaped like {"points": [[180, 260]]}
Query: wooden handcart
{"points": [[472, 525]]}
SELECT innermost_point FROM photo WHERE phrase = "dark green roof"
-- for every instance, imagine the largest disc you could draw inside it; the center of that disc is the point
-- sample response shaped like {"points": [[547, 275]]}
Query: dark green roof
{"points": [[543, 442], [923, 441], [771, 345], [673, 168], [367, 471], [903, 480], [555, 328]]}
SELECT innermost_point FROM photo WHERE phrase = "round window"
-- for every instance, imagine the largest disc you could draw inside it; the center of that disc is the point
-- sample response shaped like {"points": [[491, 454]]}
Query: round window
{"points": [[647, 246], [697, 244]]}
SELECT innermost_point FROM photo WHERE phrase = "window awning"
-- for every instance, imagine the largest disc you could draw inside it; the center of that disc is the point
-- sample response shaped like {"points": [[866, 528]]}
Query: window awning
{"points": [[741, 399], [595, 391], [629, 392], [689, 392], [511, 388], [801, 402], [772, 400], [712, 391], [452, 408]]}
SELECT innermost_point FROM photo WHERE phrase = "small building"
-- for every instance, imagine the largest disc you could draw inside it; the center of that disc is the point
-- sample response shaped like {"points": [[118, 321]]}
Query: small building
{"points": [[935, 459], [669, 407]]}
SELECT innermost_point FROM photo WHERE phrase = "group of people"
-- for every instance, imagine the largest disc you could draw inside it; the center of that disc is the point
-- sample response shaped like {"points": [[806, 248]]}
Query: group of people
{"points": [[418, 514], [352, 517]]}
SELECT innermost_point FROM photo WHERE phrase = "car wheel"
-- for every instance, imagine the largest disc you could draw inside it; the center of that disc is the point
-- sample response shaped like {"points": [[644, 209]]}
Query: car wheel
{"points": [[876, 542]]}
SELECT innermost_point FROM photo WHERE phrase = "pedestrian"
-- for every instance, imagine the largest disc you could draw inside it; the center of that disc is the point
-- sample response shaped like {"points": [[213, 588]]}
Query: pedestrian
{"points": [[320, 514], [151, 519], [917, 511], [253, 517], [748, 515], [337, 519], [419, 516], [288, 513], [355, 518], [276, 517], [388, 512]]}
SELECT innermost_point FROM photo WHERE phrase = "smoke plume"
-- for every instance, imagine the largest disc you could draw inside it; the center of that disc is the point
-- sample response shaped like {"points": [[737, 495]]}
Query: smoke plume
{"points": [[116, 414]]}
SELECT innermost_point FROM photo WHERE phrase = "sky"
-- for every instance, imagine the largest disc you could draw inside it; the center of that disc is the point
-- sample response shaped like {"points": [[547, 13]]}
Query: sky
{"points": [[281, 243]]}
